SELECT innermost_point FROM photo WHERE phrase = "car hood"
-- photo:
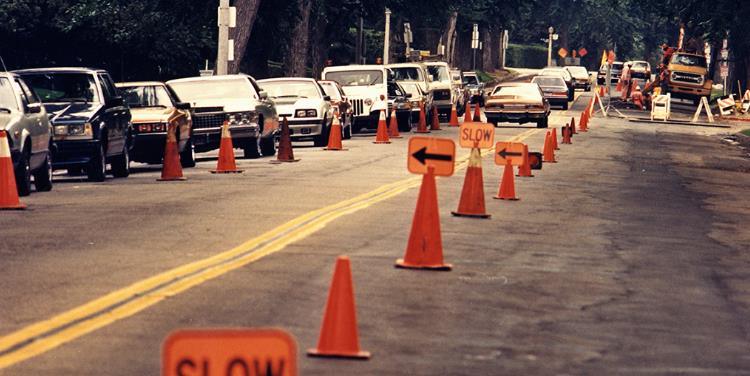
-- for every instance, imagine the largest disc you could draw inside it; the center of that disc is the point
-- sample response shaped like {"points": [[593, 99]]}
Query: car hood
{"points": [[7, 119], [439, 85], [372, 91], [686, 68], [72, 112], [150, 114], [288, 105], [228, 104]]}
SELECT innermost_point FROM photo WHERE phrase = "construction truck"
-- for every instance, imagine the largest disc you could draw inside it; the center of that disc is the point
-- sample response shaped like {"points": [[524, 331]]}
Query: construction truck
{"points": [[687, 76]]}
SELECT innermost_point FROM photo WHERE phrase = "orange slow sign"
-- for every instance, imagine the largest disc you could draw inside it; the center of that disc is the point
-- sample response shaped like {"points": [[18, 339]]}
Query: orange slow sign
{"points": [[479, 135], [427, 153], [509, 151], [229, 352]]}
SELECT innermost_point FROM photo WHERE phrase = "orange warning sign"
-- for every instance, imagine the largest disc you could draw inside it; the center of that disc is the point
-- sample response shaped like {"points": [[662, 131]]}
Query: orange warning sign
{"points": [[430, 152], [475, 134], [229, 352], [509, 151]]}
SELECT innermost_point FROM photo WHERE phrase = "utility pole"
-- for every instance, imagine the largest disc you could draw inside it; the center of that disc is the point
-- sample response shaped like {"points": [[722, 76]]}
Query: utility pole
{"points": [[387, 44], [408, 39], [549, 46], [475, 45], [503, 48], [222, 56]]}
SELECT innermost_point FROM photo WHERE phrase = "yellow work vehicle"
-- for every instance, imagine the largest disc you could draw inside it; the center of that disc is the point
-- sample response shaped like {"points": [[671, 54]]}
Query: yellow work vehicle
{"points": [[688, 76]]}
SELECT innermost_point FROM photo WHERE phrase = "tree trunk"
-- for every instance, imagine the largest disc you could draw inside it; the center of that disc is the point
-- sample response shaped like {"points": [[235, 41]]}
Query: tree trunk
{"points": [[487, 50], [296, 60], [448, 37], [247, 10], [319, 44]]}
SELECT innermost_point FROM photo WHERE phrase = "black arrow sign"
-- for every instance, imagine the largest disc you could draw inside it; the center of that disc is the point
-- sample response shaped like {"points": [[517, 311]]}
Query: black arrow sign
{"points": [[422, 155], [505, 154]]}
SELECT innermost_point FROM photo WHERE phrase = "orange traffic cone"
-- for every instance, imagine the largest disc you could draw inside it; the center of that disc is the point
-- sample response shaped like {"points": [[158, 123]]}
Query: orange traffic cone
{"points": [[619, 86], [601, 93], [467, 113], [573, 125], [477, 113], [338, 333], [549, 151], [393, 126], [8, 189], [584, 121], [334, 137], [285, 152], [524, 170], [422, 125], [425, 247], [435, 124], [382, 136], [472, 194], [226, 163], [554, 139], [454, 117], [171, 169], [566, 133], [507, 185]]}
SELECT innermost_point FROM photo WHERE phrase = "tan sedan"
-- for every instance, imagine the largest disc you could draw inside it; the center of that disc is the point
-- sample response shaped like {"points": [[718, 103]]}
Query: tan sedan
{"points": [[518, 103]]}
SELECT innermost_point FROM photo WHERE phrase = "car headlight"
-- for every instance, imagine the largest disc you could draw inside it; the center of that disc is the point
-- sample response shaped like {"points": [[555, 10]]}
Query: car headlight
{"points": [[151, 127], [306, 113], [242, 118], [368, 102], [415, 104], [79, 130]]}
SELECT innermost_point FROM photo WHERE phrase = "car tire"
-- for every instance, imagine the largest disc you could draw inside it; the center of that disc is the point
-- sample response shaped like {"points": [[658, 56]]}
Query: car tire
{"points": [[43, 176], [23, 175], [268, 146], [252, 149], [347, 131], [322, 139], [121, 164], [544, 123], [97, 167], [187, 156]]}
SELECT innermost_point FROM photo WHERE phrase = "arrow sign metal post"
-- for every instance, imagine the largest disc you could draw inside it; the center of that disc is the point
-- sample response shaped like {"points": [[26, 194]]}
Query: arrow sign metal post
{"points": [[509, 151], [430, 152]]}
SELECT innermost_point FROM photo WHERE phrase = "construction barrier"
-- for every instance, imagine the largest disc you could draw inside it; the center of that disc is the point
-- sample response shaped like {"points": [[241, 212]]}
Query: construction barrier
{"points": [[726, 106], [661, 106]]}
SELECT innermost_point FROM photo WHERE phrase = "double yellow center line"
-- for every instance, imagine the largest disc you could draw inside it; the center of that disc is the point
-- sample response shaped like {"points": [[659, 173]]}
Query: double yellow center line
{"points": [[45, 335]]}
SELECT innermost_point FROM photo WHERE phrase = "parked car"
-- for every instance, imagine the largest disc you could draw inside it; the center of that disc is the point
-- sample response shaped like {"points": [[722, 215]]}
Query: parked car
{"points": [[416, 97], [340, 103], [581, 78], [476, 88], [26, 125], [236, 98], [554, 88], [398, 98], [616, 72], [518, 102], [443, 96], [562, 72], [90, 120], [364, 85], [305, 106], [640, 69], [410, 74], [154, 108]]}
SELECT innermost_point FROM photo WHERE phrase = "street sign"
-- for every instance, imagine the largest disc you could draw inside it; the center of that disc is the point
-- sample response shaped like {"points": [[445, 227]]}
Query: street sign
{"points": [[481, 135], [562, 52], [724, 71], [430, 152], [229, 352], [582, 52], [509, 151]]}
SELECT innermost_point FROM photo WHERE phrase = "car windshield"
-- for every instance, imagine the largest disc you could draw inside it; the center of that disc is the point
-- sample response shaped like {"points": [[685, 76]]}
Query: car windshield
{"points": [[548, 81], [439, 73], [356, 78], [640, 65], [290, 89], [146, 96], [557, 71], [63, 87], [189, 91], [7, 96], [412, 89], [471, 80], [331, 90], [578, 71], [617, 66], [689, 60], [525, 91], [412, 74]]}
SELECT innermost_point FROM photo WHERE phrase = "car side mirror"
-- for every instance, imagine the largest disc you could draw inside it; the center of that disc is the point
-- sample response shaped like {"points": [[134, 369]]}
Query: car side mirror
{"points": [[117, 101], [408, 95], [34, 108], [263, 95], [327, 98], [182, 105]]}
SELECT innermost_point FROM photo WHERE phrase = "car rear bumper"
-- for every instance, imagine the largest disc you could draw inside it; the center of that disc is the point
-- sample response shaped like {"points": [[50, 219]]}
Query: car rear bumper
{"points": [[514, 116]]}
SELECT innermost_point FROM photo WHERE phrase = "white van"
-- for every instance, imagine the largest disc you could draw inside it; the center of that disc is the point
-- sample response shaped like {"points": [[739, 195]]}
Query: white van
{"points": [[365, 87]]}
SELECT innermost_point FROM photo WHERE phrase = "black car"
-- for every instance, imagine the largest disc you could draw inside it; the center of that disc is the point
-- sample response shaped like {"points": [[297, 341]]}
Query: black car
{"points": [[91, 123]]}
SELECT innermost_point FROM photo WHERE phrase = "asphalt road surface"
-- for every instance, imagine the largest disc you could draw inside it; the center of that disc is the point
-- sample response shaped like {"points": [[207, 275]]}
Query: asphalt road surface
{"points": [[629, 256]]}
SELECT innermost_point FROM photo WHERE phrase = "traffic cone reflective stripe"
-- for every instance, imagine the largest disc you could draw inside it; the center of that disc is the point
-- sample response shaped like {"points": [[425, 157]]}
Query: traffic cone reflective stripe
{"points": [[525, 169], [382, 136], [435, 124], [467, 113], [393, 126], [472, 194], [226, 163], [285, 152], [422, 125], [8, 190], [425, 247], [454, 117], [171, 168], [334, 137], [339, 337], [477, 113], [507, 185]]}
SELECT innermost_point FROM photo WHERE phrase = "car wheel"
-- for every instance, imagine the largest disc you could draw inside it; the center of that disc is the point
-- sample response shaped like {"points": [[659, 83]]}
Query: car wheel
{"points": [[322, 139], [252, 149], [544, 123], [347, 131], [23, 175], [121, 164], [268, 146], [97, 168], [43, 176], [187, 156]]}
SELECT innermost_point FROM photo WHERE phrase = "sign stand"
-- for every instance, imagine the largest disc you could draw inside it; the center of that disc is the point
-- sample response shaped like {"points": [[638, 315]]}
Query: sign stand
{"points": [[704, 104]]}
